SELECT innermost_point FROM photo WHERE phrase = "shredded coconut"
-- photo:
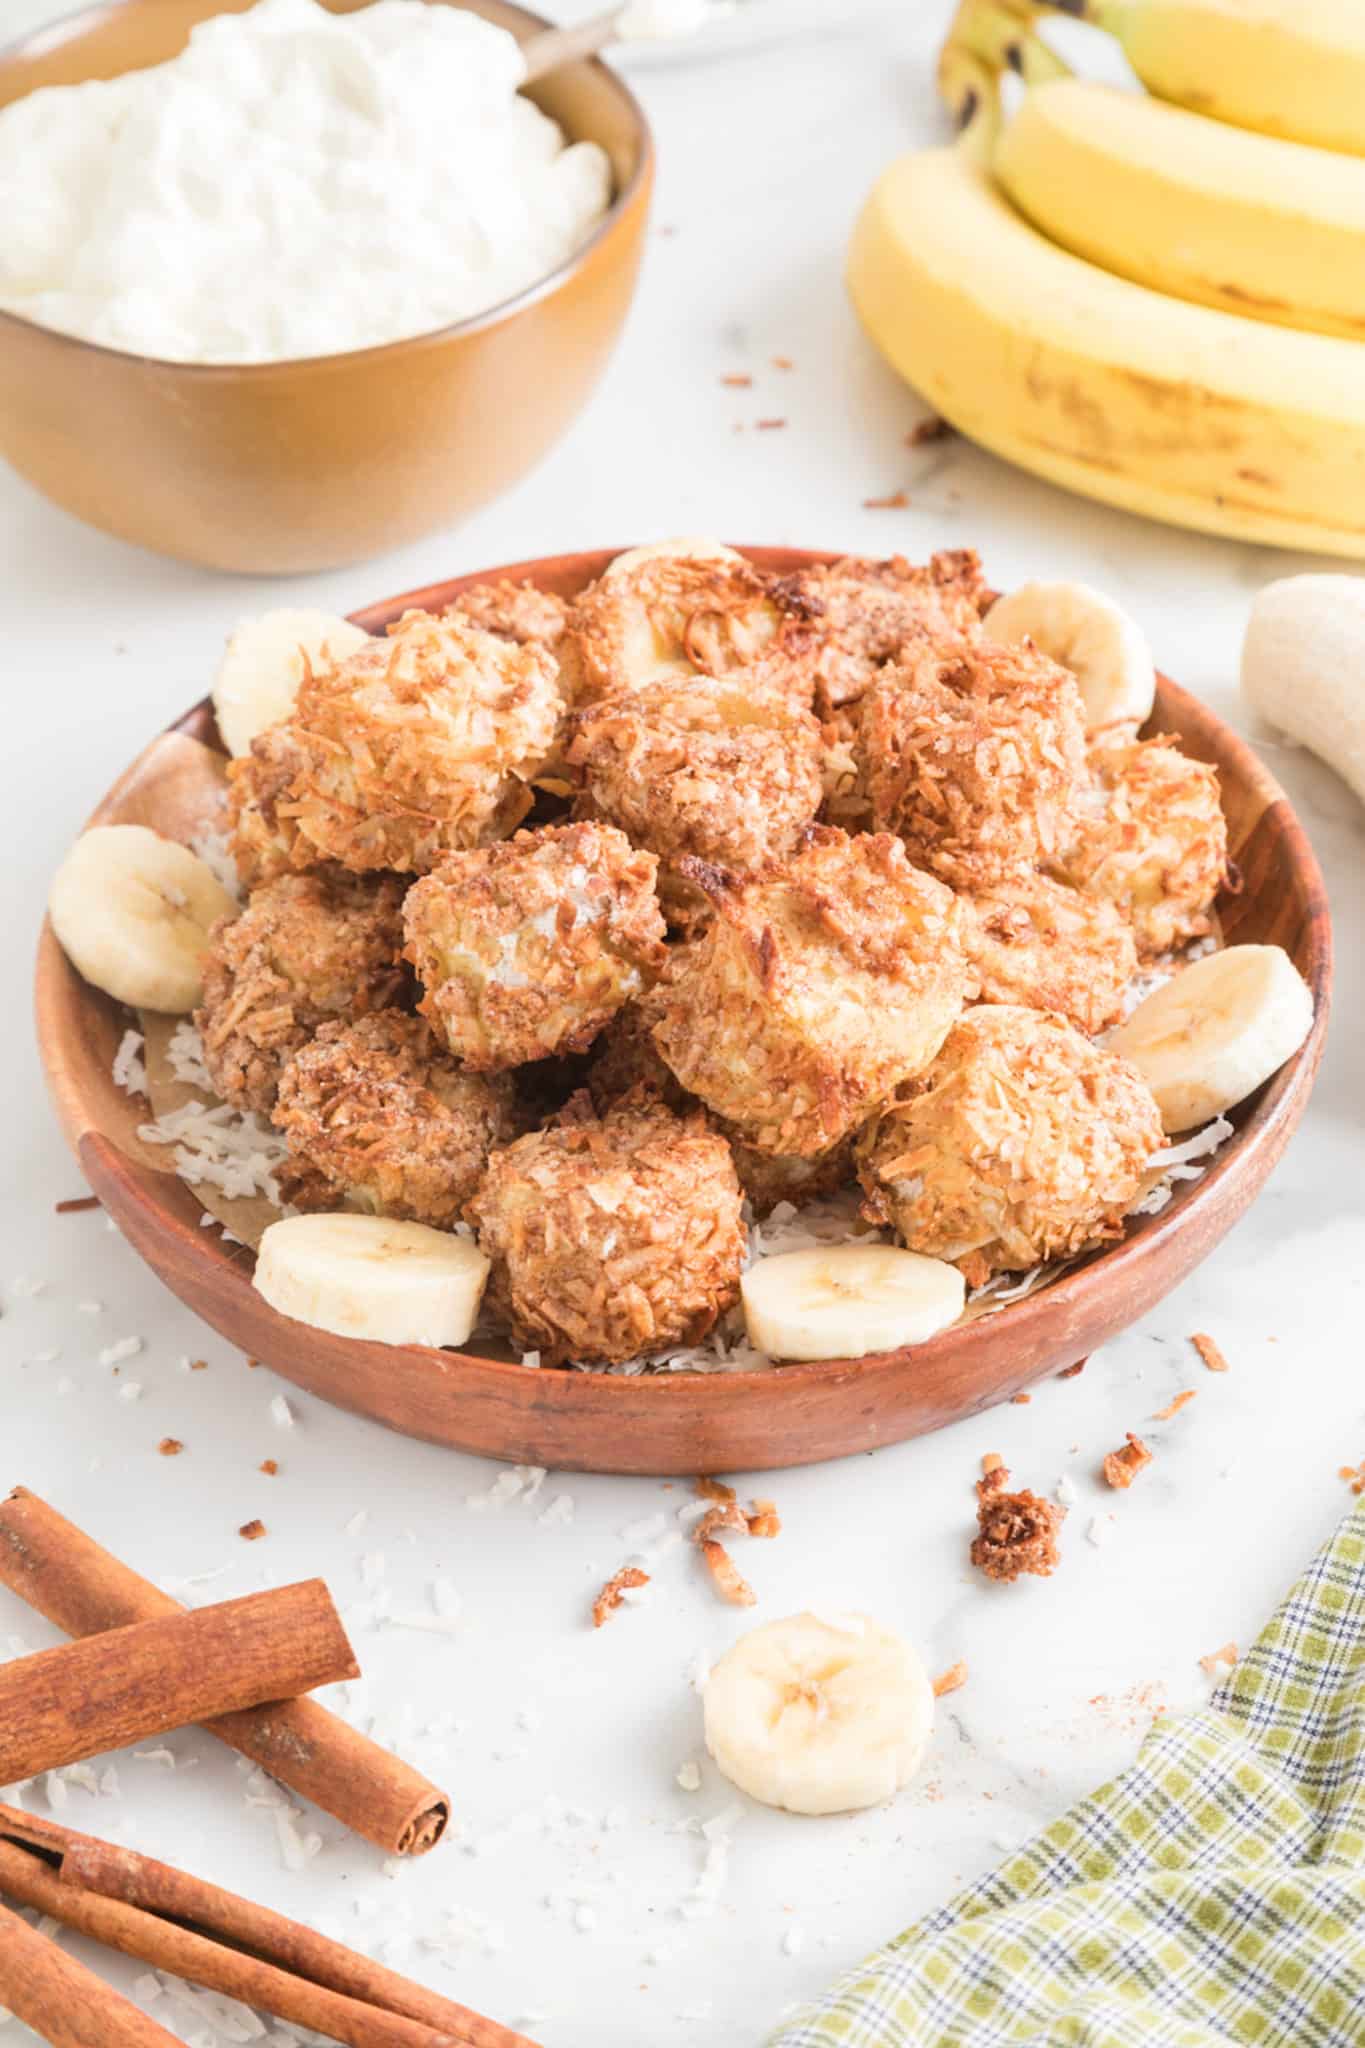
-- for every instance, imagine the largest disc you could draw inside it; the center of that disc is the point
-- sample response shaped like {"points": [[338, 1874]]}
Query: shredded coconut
{"points": [[130, 1070]]}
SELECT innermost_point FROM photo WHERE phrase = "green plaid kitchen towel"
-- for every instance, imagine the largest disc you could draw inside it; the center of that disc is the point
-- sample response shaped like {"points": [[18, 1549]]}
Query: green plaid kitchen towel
{"points": [[1213, 1892]]}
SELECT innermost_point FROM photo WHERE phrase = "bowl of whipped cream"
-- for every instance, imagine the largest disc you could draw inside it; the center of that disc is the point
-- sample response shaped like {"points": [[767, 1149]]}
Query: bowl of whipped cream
{"points": [[287, 284]]}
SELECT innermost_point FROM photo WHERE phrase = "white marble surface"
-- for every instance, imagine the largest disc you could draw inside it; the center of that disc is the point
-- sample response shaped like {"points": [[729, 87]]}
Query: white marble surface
{"points": [[764, 160]]}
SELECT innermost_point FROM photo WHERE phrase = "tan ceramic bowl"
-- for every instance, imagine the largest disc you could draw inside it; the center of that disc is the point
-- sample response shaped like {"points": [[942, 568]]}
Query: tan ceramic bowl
{"points": [[288, 467]]}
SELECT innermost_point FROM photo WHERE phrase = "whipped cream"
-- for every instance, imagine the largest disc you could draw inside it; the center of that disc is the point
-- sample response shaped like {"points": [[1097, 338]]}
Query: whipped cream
{"points": [[296, 183]]}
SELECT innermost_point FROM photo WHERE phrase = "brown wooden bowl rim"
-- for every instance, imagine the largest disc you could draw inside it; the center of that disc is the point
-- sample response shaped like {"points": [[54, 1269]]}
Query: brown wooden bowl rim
{"points": [[70, 27], [1282, 1099]]}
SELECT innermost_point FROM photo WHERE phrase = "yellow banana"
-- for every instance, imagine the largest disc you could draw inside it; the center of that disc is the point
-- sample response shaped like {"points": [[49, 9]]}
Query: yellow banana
{"points": [[1189, 206], [1176, 411], [1286, 67]]}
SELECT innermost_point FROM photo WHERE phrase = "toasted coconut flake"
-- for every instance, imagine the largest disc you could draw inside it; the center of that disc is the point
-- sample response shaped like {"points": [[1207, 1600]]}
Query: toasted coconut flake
{"points": [[1209, 1352], [714, 1489], [951, 1680], [1174, 1407], [1218, 1661], [729, 1580], [1121, 1467], [1152, 838], [614, 1592]]}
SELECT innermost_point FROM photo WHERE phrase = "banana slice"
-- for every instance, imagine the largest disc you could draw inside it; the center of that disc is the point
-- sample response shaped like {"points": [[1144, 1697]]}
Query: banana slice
{"points": [[1088, 633], [263, 666], [133, 912], [1205, 1040], [699, 547], [372, 1277], [846, 1300], [819, 1715]]}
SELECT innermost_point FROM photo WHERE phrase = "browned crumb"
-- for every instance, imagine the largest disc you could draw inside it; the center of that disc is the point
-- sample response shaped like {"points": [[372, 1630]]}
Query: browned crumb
{"points": [[74, 1204], [894, 501], [170, 1447], [202, 1364], [783, 363], [951, 1680], [612, 1594], [1017, 1532], [252, 1531], [1021, 1400], [930, 429], [270, 1467], [714, 1489], [1069, 1372], [730, 1581], [1216, 1659], [252, 1364], [1354, 1475], [738, 380], [763, 1519], [1121, 1467], [726, 1515], [1174, 1407], [994, 1473], [766, 426], [1209, 1352]]}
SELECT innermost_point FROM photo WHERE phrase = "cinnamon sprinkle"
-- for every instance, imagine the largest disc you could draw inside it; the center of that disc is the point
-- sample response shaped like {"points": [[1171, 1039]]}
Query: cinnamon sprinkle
{"points": [[951, 1680], [1209, 1352], [1174, 1407], [615, 1590]]}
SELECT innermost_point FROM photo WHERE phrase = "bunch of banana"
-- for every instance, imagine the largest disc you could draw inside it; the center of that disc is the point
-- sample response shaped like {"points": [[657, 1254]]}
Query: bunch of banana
{"points": [[1156, 301]]}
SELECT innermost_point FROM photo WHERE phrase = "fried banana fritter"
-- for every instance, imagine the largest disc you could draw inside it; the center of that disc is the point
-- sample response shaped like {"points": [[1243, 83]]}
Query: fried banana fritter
{"points": [[614, 1237], [513, 611], [305, 949], [528, 947], [1022, 1142], [661, 612], [701, 767], [1152, 838], [820, 984], [866, 613], [421, 744], [975, 755], [1043, 943], [627, 1062], [389, 1121], [263, 835]]}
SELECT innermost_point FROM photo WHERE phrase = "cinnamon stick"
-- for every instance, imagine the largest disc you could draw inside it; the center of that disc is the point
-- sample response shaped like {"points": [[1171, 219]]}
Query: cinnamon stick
{"points": [[144, 1908], [60, 1706], [64, 2002], [66, 1576]]}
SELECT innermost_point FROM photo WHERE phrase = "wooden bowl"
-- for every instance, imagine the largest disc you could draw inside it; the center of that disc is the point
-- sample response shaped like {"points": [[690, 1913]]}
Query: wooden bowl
{"points": [[282, 468], [688, 1423]]}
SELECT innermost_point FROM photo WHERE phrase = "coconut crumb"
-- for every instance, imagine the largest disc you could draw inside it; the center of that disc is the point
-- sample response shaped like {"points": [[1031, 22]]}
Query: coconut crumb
{"points": [[627, 1580], [763, 1519], [1070, 1372], [714, 1489], [951, 1680], [252, 1531], [1209, 1352], [1174, 1407], [1121, 1467], [269, 1466], [729, 1580], [170, 1447], [1016, 1532]]}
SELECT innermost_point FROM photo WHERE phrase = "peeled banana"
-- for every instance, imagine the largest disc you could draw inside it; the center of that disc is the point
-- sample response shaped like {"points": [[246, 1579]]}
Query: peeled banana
{"points": [[1189, 415]]}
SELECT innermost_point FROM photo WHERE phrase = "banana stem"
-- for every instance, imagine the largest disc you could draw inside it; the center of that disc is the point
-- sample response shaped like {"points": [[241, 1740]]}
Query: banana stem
{"points": [[1003, 34], [971, 92]]}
